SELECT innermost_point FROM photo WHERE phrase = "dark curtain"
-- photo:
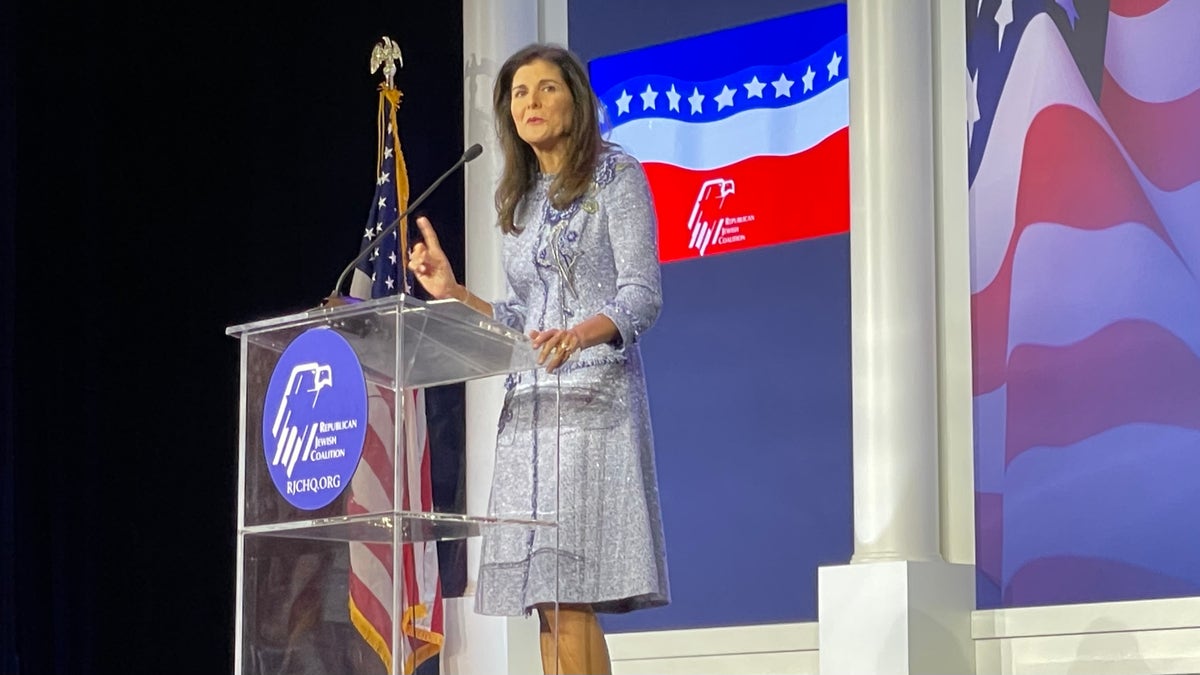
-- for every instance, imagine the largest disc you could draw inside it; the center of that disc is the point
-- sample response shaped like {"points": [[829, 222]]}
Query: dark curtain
{"points": [[179, 168], [8, 535]]}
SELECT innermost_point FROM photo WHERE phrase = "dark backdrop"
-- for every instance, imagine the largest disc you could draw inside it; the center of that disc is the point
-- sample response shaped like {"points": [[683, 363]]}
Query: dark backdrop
{"points": [[179, 168], [8, 123]]}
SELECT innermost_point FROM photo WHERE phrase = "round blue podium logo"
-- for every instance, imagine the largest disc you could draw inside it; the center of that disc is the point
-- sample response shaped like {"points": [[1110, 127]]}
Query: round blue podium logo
{"points": [[315, 419]]}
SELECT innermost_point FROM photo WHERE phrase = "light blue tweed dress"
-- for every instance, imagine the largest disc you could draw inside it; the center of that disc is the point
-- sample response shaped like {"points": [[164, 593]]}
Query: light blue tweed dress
{"points": [[599, 256]]}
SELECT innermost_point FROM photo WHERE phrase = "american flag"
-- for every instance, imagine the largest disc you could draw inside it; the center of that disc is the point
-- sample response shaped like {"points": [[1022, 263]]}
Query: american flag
{"points": [[1084, 167], [373, 488], [743, 133]]}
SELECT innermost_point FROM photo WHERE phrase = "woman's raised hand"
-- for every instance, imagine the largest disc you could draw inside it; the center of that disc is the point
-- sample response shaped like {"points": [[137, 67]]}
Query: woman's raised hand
{"points": [[429, 264]]}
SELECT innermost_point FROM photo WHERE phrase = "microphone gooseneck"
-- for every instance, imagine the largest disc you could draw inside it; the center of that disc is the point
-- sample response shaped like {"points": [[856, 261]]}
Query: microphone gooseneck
{"points": [[335, 297]]}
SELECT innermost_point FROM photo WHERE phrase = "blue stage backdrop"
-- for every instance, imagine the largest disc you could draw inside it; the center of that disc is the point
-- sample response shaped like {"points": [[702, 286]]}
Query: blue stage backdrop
{"points": [[1085, 185], [739, 113]]}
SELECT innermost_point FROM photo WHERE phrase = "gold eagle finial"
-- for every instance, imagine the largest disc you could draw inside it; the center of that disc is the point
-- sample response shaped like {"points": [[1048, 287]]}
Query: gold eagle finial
{"points": [[386, 53]]}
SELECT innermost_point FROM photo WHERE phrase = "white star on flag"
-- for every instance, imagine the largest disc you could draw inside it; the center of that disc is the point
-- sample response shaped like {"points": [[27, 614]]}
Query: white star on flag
{"points": [[390, 283], [834, 63], [972, 103], [807, 78], [783, 86], [623, 103], [754, 88], [387, 153], [382, 202], [673, 99], [392, 257], [648, 98], [697, 100], [367, 234], [383, 178], [725, 98], [1004, 16]]}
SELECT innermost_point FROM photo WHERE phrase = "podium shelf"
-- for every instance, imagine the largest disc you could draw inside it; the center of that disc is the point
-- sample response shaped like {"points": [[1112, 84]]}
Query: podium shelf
{"points": [[404, 342], [381, 528]]}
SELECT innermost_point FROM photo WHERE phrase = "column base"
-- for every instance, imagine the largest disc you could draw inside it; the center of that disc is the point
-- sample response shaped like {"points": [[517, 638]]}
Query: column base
{"points": [[897, 617]]}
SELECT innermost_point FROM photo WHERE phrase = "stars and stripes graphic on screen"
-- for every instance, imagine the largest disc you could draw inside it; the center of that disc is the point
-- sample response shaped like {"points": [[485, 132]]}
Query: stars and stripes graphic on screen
{"points": [[374, 488], [1084, 166], [743, 132]]}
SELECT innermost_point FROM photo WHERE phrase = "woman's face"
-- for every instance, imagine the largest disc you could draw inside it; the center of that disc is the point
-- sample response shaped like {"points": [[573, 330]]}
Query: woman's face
{"points": [[541, 106]]}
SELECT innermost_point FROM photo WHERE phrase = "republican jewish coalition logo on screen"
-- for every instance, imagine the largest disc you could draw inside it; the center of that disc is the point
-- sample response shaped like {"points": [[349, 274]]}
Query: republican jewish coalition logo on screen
{"points": [[709, 222], [315, 419], [743, 133]]}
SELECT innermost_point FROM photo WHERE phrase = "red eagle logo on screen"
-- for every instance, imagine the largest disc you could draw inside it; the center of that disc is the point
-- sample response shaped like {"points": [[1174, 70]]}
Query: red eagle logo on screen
{"points": [[706, 221]]}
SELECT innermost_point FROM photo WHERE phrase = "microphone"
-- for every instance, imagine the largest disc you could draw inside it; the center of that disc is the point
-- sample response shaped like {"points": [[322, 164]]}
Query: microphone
{"points": [[335, 298]]}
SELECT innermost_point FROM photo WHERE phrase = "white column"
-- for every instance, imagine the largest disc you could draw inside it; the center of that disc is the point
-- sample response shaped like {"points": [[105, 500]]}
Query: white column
{"points": [[956, 431], [552, 22], [491, 32], [898, 607], [892, 305]]}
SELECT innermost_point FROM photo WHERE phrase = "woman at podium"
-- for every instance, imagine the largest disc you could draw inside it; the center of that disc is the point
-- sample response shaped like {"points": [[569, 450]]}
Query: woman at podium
{"points": [[574, 443]]}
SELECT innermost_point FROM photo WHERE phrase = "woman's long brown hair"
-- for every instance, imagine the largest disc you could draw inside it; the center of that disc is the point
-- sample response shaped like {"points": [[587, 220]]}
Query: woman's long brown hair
{"points": [[584, 142]]}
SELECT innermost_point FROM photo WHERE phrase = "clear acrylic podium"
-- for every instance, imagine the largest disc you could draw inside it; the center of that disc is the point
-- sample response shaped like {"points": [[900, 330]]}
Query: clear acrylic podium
{"points": [[299, 565]]}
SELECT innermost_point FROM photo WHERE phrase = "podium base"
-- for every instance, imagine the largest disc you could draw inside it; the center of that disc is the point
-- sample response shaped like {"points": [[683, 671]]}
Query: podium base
{"points": [[333, 595]]}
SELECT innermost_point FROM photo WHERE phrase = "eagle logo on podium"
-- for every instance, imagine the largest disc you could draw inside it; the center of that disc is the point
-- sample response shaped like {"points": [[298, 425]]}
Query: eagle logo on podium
{"points": [[313, 423], [289, 437]]}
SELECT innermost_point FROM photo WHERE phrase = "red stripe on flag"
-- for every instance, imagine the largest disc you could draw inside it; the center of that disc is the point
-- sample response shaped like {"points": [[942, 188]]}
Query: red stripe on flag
{"points": [[376, 456], [1072, 174], [1160, 137], [1132, 8], [426, 478], [382, 553], [773, 200], [989, 550], [1128, 372], [375, 611], [374, 459]]}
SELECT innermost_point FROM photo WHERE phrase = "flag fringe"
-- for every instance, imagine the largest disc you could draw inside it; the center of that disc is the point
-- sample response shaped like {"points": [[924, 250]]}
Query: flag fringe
{"points": [[370, 635], [408, 625], [421, 655]]}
